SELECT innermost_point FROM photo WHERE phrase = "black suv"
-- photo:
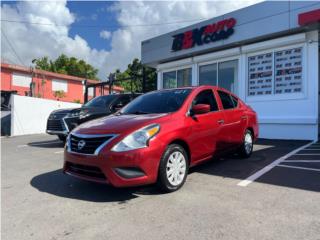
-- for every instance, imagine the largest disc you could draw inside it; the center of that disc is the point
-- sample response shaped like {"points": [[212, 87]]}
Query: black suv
{"points": [[62, 121]]}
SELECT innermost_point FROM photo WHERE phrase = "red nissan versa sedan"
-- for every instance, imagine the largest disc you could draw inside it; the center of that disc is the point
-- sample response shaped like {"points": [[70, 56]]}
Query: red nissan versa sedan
{"points": [[159, 135]]}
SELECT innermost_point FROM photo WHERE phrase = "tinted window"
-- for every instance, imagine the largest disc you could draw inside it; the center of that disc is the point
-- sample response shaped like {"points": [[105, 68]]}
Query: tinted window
{"points": [[102, 101], [226, 100], [157, 102], [206, 97], [235, 101], [120, 102]]}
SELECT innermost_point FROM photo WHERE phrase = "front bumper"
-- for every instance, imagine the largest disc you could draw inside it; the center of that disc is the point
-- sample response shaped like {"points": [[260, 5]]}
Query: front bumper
{"points": [[131, 168], [61, 126]]}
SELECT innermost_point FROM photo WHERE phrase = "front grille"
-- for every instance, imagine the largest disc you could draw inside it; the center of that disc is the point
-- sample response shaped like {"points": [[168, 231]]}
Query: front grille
{"points": [[55, 125], [87, 145], [84, 170]]}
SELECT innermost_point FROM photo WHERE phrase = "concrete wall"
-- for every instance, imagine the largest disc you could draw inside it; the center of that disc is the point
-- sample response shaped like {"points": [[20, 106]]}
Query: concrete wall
{"points": [[29, 115]]}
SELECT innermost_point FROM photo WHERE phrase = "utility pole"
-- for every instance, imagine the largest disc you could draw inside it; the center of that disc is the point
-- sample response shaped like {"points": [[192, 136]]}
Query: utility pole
{"points": [[111, 80]]}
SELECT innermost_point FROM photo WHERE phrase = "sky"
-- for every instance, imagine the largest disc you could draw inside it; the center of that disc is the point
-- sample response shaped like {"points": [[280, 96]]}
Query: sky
{"points": [[107, 35]]}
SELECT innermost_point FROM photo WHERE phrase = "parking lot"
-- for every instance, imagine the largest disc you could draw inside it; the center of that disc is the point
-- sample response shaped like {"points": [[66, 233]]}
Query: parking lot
{"points": [[275, 194]]}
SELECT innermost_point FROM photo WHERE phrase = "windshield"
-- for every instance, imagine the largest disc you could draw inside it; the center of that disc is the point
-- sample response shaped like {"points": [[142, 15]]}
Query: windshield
{"points": [[157, 102], [101, 101]]}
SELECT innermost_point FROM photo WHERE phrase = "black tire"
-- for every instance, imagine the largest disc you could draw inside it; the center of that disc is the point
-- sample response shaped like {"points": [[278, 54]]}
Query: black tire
{"points": [[62, 138], [245, 151], [163, 180]]}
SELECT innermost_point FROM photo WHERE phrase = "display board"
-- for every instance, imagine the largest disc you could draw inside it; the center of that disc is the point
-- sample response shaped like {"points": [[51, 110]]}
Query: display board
{"points": [[260, 74], [288, 71]]}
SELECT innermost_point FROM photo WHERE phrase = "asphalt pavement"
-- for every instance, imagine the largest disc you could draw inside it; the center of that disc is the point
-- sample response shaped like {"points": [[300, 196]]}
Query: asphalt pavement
{"points": [[226, 198]]}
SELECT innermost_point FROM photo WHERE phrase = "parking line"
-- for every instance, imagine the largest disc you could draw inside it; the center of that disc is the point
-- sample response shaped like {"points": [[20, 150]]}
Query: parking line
{"points": [[267, 168], [58, 152], [303, 168], [303, 161], [21, 146]]}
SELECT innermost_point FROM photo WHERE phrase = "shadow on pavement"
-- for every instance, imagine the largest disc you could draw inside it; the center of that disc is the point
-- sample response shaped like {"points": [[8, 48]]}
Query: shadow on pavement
{"points": [[265, 152], [47, 144], [62, 185]]}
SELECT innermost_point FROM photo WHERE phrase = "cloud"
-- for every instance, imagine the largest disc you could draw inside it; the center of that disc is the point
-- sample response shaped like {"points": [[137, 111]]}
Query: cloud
{"points": [[105, 34], [38, 40]]}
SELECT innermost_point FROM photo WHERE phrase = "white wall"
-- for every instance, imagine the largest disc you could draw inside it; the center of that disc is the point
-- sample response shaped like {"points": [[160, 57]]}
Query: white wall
{"points": [[29, 115]]}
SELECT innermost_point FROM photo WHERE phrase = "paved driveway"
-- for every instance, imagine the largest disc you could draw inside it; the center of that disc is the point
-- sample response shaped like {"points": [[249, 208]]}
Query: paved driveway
{"points": [[39, 202]]}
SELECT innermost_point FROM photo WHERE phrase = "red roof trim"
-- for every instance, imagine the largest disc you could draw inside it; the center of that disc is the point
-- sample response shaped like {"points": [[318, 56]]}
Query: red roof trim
{"points": [[309, 17], [50, 74]]}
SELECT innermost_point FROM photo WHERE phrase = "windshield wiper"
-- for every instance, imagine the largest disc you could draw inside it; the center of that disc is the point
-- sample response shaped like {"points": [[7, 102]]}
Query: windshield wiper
{"points": [[138, 112]]}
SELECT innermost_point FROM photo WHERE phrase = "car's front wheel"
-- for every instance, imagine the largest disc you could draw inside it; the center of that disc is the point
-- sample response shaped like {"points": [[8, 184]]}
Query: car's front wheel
{"points": [[173, 168]]}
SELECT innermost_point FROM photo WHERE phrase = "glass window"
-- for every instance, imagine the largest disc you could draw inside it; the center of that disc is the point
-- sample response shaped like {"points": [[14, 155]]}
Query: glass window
{"points": [[184, 77], [235, 101], [208, 74], [206, 97], [288, 71], [164, 101], [222, 74], [228, 75], [102, 101], [179, 78], [260, 74], [226, 100], [169, 79], [284, 77]]}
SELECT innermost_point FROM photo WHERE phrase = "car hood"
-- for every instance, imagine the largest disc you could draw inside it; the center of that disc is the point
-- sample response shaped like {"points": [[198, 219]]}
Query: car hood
{"points": [[118, 124], [63, 111]]}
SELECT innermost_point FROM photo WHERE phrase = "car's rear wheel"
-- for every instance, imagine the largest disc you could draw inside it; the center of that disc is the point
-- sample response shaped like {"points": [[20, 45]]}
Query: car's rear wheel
{"points": [[246, 148], [173, 168]]}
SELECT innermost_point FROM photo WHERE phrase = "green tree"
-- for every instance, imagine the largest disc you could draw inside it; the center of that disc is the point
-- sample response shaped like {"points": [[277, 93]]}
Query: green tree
{"points": [[67, 65], [134, 71]]}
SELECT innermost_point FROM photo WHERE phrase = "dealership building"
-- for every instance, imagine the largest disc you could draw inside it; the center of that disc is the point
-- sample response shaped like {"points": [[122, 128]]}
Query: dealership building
{"points": [[267, 54]]}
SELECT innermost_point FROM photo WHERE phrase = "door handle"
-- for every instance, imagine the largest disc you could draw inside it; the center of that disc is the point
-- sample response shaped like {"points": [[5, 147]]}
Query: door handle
{"points": [[244, 117], [221, 121]]}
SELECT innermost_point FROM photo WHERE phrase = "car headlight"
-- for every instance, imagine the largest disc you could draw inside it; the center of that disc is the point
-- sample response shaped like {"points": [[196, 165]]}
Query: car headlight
{"points": [[137, 139], [83, 114]]}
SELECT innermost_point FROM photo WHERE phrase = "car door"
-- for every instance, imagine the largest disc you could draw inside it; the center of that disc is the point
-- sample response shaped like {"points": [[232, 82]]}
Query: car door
{"points": [[233, 115], [206, 128]]}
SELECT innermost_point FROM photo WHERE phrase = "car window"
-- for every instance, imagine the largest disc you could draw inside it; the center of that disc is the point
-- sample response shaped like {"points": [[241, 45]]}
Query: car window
{"points": [[206, 97], [124, 100], [101, 101], [164, 101], [235, 101], [226, 100]]}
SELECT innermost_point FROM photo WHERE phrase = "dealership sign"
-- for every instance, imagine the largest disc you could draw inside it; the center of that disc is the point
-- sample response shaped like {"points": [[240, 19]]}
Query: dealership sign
{"points": [[204, 35]]}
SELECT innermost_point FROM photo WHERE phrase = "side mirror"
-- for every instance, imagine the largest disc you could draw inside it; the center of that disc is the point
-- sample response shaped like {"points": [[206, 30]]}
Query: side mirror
{"points": [[200, 109]]}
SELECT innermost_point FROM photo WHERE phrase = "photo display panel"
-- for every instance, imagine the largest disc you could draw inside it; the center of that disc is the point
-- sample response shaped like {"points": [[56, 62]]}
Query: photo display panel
{"points": [[288, 71], [260, 74]]}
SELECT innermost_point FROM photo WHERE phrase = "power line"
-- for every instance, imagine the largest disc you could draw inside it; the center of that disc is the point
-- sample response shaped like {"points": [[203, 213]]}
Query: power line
{"points": [[102, 25], [12, 48]]}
